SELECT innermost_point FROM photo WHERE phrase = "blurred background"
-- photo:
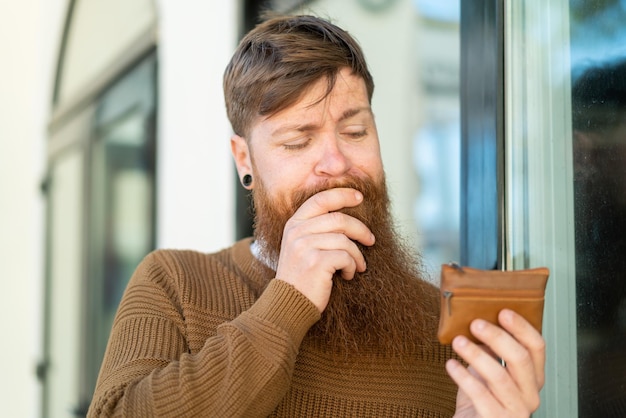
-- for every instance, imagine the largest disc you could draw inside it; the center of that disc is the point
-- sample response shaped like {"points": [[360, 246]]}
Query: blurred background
{"points": [[503, 132], [114, 142]]}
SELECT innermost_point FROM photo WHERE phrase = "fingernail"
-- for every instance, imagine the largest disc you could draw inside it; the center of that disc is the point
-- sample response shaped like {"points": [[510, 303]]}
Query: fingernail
{"points": [[460, 341], [506, 316], [359, 196], [479, 325], [452, 365]]}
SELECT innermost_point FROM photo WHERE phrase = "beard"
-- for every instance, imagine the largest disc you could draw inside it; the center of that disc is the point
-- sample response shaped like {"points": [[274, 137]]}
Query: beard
{"points": [[387, 309]]}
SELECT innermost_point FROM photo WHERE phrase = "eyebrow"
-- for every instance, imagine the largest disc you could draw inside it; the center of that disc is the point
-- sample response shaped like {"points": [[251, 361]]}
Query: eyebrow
{"points": [[312, 126]]}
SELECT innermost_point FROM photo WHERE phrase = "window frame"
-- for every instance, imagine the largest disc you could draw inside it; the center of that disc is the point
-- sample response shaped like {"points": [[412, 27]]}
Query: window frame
{"points": [[524, 221]]}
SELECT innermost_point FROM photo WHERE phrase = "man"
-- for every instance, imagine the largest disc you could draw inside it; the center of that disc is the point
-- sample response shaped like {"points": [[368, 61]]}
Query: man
{"points": [[323, 313]]}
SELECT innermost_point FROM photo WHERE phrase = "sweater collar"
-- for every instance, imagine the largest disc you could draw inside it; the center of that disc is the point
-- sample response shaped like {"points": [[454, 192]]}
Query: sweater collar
{"points": [[257, 273], [255, 248]]}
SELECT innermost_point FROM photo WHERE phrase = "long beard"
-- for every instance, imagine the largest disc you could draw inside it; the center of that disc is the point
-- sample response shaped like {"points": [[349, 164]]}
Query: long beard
{"points": [[388, 309]]}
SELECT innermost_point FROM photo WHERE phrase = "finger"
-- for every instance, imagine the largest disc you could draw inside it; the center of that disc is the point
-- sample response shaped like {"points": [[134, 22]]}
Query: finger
{"points": [[335, 222], [331, 242], [529, 337], [328, 261], [339, 242], [518, 382], [328, 201], [495, 377], [344, 263], [312, 273], [483, 401], [317, 215]]}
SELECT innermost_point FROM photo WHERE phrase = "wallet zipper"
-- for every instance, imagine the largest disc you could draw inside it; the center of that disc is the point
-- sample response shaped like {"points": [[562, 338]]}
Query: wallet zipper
{"points": [[447, 296], [456, 266]]}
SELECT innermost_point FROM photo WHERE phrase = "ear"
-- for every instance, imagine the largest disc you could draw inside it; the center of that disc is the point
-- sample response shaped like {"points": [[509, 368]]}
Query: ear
{"points": [[241, 154]]}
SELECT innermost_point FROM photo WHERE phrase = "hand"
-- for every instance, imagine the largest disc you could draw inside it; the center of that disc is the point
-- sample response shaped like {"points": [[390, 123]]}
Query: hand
{"points": [[486, 388], [318, 241]]}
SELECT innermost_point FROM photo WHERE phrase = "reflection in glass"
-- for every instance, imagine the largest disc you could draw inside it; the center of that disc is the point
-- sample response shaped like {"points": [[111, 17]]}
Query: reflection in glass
{"points": [[437, 144], [437, 155], [121, 203], [443, 11], [126, 207], [599, 126]]}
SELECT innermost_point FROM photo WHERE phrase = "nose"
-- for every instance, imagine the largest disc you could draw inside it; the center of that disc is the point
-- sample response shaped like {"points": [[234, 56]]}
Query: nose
{"points": [[333, 161]]}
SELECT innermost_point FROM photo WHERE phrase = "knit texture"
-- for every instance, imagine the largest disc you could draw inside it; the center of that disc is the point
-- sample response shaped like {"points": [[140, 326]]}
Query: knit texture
{"points": [[211, 335]]}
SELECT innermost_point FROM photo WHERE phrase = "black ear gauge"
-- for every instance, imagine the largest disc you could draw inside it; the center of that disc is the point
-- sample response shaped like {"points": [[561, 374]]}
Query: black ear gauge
{"points": [[246, 180]]}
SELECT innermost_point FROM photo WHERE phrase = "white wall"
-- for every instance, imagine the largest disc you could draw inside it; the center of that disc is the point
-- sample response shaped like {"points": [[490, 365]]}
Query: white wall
{"points": [[29, 34], [195, 206]]}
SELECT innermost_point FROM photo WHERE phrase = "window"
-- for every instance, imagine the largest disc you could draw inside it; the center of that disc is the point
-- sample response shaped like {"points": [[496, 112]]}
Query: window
{"points": [[101, 195], [121, 203], [564, 190], [100, 189]]}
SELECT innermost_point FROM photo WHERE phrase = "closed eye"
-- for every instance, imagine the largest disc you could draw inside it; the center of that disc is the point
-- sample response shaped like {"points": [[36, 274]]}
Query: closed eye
{"points": [[292, 146], [356, 134]]}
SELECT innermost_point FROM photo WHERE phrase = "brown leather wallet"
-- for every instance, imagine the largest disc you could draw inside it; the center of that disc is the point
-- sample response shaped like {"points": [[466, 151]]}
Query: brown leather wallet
{"points": [[468, 293]]}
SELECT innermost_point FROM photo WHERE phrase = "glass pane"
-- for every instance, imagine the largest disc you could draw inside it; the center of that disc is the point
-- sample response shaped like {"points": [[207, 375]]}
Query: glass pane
{"points": [[117, 23], [121, 205], [598, 39], [436, 143]]}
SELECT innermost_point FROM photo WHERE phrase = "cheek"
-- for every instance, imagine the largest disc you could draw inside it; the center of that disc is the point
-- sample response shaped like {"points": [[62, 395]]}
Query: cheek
{"points": [[370, 163], [281, 179]]}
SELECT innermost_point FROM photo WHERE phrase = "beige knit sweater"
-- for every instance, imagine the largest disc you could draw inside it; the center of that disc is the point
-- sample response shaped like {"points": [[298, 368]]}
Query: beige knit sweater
{"points": [[197, 336]]}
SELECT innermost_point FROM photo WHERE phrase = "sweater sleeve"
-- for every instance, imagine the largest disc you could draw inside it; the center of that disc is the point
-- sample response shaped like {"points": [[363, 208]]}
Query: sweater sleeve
{"points": [[244, 370]]}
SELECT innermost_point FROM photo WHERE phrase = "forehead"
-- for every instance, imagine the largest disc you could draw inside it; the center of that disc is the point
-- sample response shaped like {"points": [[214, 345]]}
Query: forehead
{"points": [[349, 92]]}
